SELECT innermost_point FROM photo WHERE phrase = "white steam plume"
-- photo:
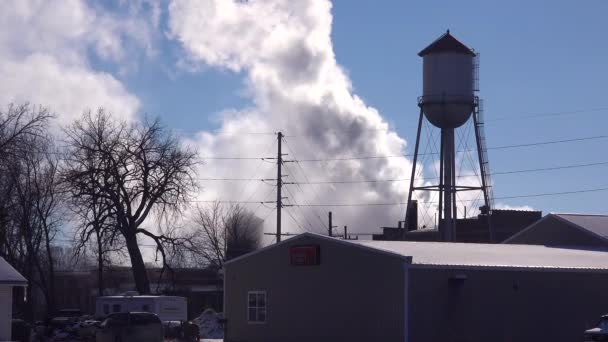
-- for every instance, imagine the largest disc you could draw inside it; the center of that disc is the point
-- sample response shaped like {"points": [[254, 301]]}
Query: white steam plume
{"points": [[284, 50]]}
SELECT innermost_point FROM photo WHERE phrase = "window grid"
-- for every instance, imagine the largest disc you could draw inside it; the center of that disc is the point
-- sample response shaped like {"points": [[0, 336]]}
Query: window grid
{"points": [[256, 307]]}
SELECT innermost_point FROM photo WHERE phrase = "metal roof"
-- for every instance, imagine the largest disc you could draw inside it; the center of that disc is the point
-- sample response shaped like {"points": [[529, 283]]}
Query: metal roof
{"points": [[475, 255], [597, 224], [493, 255], [10, 276], [446, 43]]}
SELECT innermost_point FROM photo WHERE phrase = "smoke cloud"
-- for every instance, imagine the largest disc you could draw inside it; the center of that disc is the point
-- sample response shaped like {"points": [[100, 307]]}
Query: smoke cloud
{"points": [[284, 51]]}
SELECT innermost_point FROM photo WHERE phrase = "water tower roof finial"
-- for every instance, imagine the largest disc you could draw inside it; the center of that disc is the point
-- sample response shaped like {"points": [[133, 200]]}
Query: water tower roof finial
{"points": [[446, 43]]}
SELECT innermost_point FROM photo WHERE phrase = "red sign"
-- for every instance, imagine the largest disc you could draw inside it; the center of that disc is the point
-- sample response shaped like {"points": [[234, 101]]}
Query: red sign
{"points": [[305, 255]]}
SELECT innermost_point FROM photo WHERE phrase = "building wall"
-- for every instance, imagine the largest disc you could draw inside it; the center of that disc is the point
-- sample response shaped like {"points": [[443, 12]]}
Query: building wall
{"points": [[504, 305], [353, 295], [555, 232], [6, 314], [505, 223]]}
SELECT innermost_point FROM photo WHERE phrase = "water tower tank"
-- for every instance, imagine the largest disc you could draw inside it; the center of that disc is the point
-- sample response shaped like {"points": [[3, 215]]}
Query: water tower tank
{"points": [[448, 82]]}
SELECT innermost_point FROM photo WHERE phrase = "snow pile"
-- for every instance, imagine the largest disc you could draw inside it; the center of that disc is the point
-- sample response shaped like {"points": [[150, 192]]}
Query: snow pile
{"points": [[208, 324]]}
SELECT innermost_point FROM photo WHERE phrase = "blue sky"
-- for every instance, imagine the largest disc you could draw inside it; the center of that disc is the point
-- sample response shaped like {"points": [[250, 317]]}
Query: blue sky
{"points": [[535, 58], [263, 65]]}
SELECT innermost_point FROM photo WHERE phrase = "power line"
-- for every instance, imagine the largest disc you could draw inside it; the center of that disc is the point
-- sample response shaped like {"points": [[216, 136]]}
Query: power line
{"points": [[221, 132], [233, 179], [507, 117], [548, 142], [315, 193], [300, 208], [540, 143], [402, 203], [232, 158], [502, 197], [296, 221], [554, 193], [546, 114], [572, 166]]}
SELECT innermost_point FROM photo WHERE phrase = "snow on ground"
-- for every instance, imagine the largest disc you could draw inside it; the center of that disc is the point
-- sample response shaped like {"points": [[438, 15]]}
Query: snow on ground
{"points": [[208, 325]]}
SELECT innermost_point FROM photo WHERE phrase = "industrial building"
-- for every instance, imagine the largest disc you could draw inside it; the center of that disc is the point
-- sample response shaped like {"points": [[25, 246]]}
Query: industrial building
{"points": [[317, 288], [9, 278], [574, 230], [505, 224]]}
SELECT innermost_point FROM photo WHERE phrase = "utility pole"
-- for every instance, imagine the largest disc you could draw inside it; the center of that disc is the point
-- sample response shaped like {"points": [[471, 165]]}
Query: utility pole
{"points": [[330, 227], [279, 185], [348, 237]]}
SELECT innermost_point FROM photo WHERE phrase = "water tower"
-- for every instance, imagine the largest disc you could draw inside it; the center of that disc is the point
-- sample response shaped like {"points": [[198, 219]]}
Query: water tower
{"points": [[448, 101]]}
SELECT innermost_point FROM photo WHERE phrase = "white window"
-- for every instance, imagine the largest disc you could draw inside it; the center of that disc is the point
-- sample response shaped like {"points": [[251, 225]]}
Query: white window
{"points": [[256, 306]]}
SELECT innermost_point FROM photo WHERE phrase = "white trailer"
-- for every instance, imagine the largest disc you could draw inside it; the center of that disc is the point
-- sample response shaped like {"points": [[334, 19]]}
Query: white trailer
{"points": [[167, 308]]}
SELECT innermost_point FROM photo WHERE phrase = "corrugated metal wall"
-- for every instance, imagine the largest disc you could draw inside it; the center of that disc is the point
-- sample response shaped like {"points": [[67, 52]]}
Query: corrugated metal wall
{"points": [[495, 305], [354, 295]]}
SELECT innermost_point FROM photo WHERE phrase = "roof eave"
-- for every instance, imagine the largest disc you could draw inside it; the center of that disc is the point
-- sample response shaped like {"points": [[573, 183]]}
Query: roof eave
{"points": [[407, 259], [13, 282], [509, 268]]}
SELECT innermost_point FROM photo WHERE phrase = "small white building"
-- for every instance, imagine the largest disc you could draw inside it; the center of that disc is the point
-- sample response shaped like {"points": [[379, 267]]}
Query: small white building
{"points": [[9, 278]]}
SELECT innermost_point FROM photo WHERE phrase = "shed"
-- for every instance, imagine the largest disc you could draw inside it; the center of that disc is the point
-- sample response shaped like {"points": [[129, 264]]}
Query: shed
{"points": [[317, 288], [9, 278], [582, 230]]}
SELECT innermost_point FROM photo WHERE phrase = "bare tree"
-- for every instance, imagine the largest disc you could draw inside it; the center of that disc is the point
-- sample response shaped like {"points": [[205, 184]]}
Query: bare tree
{"points": [[28, 196], [225, 233], [138, 168], [39, 198], [96, 229], [96, 235], [19, 124]]}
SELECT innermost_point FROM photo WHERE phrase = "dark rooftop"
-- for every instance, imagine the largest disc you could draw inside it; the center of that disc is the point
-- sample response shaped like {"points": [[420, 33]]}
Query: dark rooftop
{"points": [[597, 224], [446, 43]]}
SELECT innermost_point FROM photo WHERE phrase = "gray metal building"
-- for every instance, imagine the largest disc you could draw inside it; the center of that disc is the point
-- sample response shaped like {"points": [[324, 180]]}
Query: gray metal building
{"points": [[316, 288], [575, 230]]}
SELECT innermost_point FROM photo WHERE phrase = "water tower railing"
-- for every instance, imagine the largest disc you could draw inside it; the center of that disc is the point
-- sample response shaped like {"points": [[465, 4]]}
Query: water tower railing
{"points": [[465, 99], [476, 72]]}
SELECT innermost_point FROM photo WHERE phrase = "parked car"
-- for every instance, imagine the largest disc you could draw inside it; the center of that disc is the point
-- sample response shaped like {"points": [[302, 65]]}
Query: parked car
{"points": [[130, 326], [21, 330], [87, 329], [190, 332], [68, 313], [600, 332], [64, 318]]}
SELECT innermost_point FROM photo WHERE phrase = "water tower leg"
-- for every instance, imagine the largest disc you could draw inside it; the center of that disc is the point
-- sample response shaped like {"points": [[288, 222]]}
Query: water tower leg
{"points": [[441, 186], [447, 227], [413, 175], [454, 203]]}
